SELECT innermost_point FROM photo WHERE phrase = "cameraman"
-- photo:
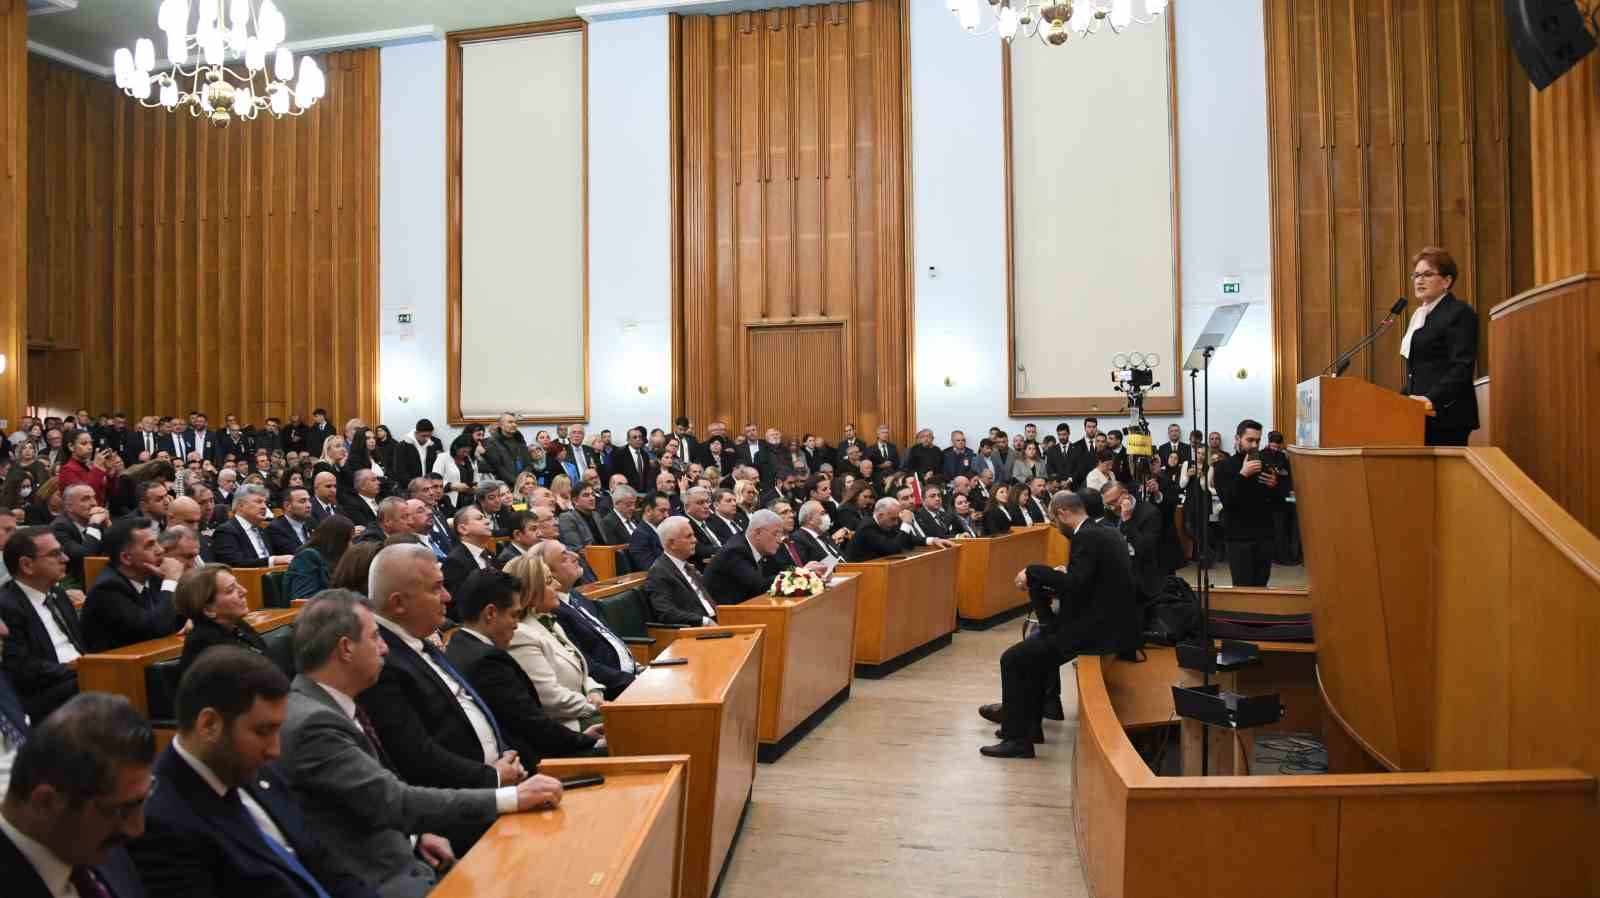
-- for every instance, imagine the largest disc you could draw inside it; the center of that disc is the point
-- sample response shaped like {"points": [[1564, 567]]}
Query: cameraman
{"points": [[1251, 494]]}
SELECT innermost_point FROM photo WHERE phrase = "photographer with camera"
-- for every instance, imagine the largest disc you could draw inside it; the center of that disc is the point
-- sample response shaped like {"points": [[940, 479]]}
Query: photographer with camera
{"points": [[1251, 493]]}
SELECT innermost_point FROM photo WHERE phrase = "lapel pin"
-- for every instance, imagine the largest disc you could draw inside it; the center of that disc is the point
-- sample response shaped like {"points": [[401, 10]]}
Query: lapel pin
{"points": [[264, 784]]}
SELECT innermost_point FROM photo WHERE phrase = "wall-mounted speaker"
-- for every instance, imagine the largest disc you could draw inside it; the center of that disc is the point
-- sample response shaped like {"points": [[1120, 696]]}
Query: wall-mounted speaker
{"points": [[1548, 36]]}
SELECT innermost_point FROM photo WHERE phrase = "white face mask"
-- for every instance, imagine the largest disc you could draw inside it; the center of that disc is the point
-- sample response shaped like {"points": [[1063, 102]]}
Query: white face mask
{"points": [[25, 491], [825, 524]]}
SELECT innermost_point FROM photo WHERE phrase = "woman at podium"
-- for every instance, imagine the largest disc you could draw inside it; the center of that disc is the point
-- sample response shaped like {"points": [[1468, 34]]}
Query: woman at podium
{"points": [[1440, 347]]}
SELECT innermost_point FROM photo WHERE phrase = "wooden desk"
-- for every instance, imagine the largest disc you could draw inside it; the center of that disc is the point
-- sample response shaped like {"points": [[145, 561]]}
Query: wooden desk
{"points": [[905, 609], [706, 709], [249, 578], [1057, 547], [603, 589], [807, 659], [603, 559], [621, 838], [121, 671], [986, 569]]}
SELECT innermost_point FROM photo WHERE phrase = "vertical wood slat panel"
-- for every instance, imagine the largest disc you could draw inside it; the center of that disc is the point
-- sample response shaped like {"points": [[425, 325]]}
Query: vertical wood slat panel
{"points": [[13, 207], [1565, 143], [233, 271], [792, 201], [1388, 132]]}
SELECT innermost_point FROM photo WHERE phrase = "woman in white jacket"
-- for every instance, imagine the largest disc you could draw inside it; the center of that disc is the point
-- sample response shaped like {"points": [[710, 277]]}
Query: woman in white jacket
{"points": [[541, 648]]}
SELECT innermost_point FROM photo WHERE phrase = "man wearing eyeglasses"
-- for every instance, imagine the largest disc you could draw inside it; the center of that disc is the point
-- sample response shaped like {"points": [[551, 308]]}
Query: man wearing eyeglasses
{"points": [[45, 636], [76, 796], [1440, 347]]}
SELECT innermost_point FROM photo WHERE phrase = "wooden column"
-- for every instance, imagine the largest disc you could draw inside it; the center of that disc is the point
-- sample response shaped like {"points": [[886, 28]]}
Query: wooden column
{"points": [[13, 208], [1566, 193]]}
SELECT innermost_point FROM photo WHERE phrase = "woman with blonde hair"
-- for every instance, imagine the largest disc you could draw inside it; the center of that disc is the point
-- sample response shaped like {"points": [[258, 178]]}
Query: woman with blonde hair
{"points": [[561, 487], [544, 652], [522, 491], [748, 499], [335, 460]]}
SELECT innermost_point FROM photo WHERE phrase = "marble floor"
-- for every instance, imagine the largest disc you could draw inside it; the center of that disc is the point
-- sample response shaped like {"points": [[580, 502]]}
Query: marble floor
{"points": [[889, 796]]}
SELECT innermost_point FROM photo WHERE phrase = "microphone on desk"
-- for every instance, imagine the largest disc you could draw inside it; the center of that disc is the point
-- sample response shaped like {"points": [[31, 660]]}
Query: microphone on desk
{"points": [[1337, 366]]}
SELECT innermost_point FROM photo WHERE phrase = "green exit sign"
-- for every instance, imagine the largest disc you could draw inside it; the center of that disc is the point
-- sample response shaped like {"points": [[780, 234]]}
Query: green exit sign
{"points": [[1230, 286]]}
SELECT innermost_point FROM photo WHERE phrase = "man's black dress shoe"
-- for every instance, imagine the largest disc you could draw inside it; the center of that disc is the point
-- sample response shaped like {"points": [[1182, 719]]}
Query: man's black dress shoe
{"points": [[1053, 709], [1009, 748], [992, 713]]}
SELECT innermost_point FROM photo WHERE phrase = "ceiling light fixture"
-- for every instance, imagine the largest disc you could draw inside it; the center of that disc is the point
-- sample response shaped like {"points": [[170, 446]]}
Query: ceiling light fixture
{"points": [[1053, 21]]}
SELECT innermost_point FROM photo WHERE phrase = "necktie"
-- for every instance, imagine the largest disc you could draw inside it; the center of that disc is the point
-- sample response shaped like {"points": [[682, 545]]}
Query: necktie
{"points": [[794, 553], [55, 612], [177, 443], [627, 525], [150, 443], [433, 653], [289, 860], [711, 535], [827, 545], [87, 883], [438, 551], [698, 584], [365, 722]]}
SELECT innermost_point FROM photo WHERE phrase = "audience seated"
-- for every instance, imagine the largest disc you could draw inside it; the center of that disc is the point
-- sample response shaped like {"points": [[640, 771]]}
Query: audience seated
{"points": [[674, 589], [609, 661], [43, 632], [325, 497], [290, 530], [474, 549], [644, 544], [524, 536], [889, 532], [78, 784], [617, 525], [242, 540], [224, 821], [340, 773], [187, 513], [311, 570], [79, 528], [579, 527], [132, 600], [512, 651], [215, 604], [744, 568]]}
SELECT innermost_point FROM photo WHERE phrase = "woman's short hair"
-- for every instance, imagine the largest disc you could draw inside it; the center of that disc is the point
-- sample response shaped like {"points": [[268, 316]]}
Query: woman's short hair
{"points": [[532, 575], [1440, 259], [196, 589]]}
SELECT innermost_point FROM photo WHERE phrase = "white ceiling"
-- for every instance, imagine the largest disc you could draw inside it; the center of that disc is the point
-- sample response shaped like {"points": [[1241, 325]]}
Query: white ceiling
{"points": [[95, 30]]}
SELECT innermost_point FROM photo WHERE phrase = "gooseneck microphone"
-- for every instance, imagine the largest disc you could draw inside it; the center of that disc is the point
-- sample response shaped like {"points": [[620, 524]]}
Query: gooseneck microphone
{"points": [[1337, 366]]}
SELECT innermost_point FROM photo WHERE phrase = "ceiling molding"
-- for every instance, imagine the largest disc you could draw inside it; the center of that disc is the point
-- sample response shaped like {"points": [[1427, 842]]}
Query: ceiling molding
{"points": [[390, 37], [68, 59], [627, 9]]}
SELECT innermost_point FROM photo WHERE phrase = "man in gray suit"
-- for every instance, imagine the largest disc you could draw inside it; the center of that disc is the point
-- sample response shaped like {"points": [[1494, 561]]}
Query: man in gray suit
{"points": [[353, 801], [580, 527]]}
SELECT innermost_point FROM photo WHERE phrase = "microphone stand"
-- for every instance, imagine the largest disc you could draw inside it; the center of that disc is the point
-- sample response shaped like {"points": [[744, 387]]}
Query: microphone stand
{"points": [[1337, 366]]}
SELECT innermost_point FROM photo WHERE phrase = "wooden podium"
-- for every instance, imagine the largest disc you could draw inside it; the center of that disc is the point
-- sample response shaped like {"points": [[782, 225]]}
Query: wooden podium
{"points": [[1335, 412]]}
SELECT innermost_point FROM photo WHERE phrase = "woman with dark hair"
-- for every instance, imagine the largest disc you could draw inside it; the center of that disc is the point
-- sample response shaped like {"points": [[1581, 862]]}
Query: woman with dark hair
{"points": [[383, 446], [314, 563], [214, 601], [856, 509], [997, 518], [17, 492], [456, 468], [85, 465], [1440, 347], [351, 571], [45, 505]]}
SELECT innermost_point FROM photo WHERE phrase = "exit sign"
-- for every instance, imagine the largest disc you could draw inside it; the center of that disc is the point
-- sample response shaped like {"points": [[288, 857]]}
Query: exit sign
{"points": [[1230, 286]]}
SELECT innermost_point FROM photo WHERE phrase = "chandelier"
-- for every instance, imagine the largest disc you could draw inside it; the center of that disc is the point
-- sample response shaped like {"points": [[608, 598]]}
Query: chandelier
{"points": [[1053, 21], [212, 88]]}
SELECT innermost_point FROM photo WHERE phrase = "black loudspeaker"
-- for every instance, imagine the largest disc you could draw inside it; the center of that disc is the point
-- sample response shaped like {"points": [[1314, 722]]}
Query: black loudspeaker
{"points": [[1548, 36]]}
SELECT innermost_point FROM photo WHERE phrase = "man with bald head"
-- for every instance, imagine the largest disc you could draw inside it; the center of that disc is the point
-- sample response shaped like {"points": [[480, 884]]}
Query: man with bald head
{"points": [[611, 664], [324, 496], [474, 549], [79, 528], [362, 507], [187, 513], [889, 533], [394, 517]]}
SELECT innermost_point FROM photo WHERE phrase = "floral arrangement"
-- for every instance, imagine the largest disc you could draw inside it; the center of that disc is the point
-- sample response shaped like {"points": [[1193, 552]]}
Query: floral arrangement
{"points": [[796, 583]]}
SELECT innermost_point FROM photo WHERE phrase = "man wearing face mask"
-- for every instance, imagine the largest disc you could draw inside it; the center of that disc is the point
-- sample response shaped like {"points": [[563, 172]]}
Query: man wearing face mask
{"points": [[812, 535], [1098, 616]]}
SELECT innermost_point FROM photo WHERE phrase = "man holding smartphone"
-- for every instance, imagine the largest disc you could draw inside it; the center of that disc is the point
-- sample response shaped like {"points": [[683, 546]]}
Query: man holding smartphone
{"points": [[1251, 493]]}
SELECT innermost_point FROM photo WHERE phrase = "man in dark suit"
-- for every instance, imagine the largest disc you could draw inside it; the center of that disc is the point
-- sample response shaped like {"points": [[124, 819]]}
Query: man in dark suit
{"points": [[78, 781], [353, 801], [744, 568], [697, 508], [474, 550], [1139, 522], [361, 507], [1099, 615], [44, 632], [484, 603], [202, 442], [634, 462], [437, 730], [811, 534], [144, 443], [889, 533], [617, 525], [242, 540], [319, 432], [933, 518], [847, 440], [415, 455], [724, 521], [884, 455], [79, 527], [224, 821], [580, 527], [1251, 495], [674, 589], [1081, 453], [325, 496], [1058, 462], [611, 664], [644, 544], [1175, 446], [584, 457], [132, 600], [524, 537], [290, 530], [1440, 347], [1035, 500]]}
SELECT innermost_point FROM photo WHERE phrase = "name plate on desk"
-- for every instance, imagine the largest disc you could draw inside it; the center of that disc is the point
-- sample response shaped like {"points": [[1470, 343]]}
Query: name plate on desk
{"points": [[1308, 413]]}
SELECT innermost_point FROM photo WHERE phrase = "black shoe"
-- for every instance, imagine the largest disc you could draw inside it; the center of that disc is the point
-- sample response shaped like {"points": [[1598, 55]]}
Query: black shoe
{"points": [[992, 713], [1038, 735], [1053, 709], [1008, 748]]}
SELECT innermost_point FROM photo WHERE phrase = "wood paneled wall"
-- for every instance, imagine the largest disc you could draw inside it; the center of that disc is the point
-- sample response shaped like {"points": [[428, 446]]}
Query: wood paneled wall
{"points": [[1393, 124], [1566, 193], [13, 208], [793, 205], [181, 266]]}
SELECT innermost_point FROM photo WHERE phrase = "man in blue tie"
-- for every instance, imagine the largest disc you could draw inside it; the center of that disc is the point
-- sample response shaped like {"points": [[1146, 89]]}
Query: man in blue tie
{"points": [[76, 796], [222, 820], [437, 730]]}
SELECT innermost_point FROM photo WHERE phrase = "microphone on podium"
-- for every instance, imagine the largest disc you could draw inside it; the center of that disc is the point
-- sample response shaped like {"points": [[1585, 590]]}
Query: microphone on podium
{"points": [[1337, 366]]}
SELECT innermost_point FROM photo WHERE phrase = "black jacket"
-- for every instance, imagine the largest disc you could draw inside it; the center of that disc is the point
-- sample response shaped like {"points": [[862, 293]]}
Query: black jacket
{"points": [[644, 547], [672, 598], [996, 520], [407, 465], [734, 575], [622, 463], [886, 460], [230, 546], [30, 659], [207, 633], [421, 725], [705, 548], [281, 539], [813, 549], [1099, 612], [117, 874], [612, 531], [503, 684], [197, 843], [115, 615], [1143, 533], [355, 508], [872, 541], [75, 544], [1247, 504], [1443, 362], [584, 631], [923, 460], [458, 565]]}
